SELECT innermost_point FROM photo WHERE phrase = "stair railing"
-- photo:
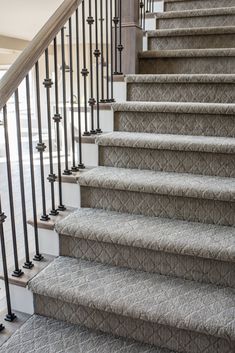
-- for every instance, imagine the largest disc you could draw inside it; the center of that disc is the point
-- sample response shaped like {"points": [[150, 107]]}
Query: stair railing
{"points": [[49, 98]]}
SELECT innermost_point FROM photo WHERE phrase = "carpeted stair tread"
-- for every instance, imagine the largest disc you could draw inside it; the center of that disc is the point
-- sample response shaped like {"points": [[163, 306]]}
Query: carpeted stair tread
{"points": [[43, 334], [162, 183], [196, 13], [175, 107], [187, 53], [182, 78], [191, 31], [168, 142], [154, 233], [173, 302]]}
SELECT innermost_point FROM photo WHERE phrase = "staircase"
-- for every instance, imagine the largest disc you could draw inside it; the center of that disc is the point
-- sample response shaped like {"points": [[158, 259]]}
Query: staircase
{"points": [[148, 263]]}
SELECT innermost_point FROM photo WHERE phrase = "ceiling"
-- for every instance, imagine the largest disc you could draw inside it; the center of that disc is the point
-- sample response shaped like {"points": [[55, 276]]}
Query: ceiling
{"points": [[24, 18]]}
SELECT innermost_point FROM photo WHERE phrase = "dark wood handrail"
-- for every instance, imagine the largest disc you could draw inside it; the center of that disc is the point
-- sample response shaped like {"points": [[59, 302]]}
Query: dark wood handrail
{"points": [[27, 59]]}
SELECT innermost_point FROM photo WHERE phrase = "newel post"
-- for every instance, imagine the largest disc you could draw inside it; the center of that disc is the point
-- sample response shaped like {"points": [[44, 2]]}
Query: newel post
{"points": [[132, 36]]}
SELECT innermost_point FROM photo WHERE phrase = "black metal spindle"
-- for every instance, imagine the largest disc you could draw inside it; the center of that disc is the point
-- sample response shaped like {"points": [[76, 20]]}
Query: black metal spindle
{"points": [[57, 119], [84, 71], [10, 315], [17, 272], [102, 100], [115, 21], [144, 14], [41, 147], [148, 6], [120, 46], [152, 5], [64, 68], [74, 167], [90, 21], [28, 264], [107, 49], [111, 52], [37, 256], [97, 55], [141, 12], [80, 163], [51, 177]]}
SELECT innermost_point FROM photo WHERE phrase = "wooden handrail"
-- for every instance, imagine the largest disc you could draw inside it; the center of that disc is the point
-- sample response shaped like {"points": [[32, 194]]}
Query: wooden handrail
{"points": [[27, 59]]}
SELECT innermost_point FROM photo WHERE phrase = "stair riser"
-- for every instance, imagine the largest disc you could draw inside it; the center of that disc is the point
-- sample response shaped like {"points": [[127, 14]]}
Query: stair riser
{"points": [[175, 123], [182, 65], [186, 267], [215, 164], [192, 22], [196, 4], [190, 209], [181, 92], [192, 42], [159, 335]]}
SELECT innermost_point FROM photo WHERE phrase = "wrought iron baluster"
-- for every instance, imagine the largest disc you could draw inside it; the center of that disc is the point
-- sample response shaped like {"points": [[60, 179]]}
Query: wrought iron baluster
{"points": [[120, 46], [90, 21], [107, 49], [116, 21], [57, 119], [102, 100], [28, 264], [51, 177], [74, 167], [97, 56], [64, 68], [10, 315], [80, 163], [17, 272], [84, 71], [37, 256], [41, 147], [111, 54]]}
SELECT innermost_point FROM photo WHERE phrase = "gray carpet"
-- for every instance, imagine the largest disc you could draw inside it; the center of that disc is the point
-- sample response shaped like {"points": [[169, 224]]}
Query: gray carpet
{"points": [[42, 334]]}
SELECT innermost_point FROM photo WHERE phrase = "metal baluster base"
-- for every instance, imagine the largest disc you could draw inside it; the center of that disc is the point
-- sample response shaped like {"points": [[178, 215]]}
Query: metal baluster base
{"points": [[44, 218], [28, 265], [61, 208], [67, 172], [75, 169], [38, 257], [17, 273], [10, 317], [1, 327], [81, 166], [54, 213], [86, 133]]}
